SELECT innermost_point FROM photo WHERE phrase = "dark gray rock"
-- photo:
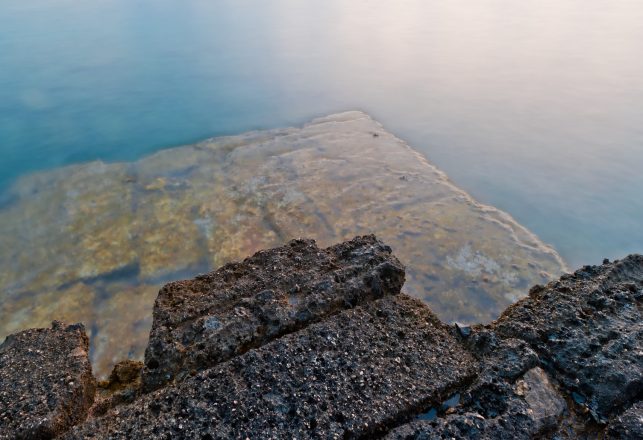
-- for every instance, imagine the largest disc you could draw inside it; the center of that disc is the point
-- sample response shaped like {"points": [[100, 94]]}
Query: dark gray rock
{"points": [[202, 322], [628, 425], [510, 399], [587, 330], [46, 381], [353, 375], [299, 342], [544, 406]]}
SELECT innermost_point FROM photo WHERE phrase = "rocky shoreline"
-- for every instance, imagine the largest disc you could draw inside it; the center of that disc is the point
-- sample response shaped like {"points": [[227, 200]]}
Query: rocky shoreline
{"points": [[95, 242], [303, 342]]}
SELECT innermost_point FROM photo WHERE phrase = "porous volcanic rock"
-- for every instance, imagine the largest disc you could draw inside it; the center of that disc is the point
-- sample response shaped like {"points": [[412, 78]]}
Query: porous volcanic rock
{"points": [[302, 342], [202, 322], [587, 330], [350, 376], [562, 363], [46, 381], [511, 398], [629, 424]]}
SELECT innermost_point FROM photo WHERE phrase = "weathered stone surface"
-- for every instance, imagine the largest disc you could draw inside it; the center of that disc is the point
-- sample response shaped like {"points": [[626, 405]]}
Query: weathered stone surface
{"points": [[46, 382], [201, 322], [367, 361], [628, 425], [351, 375], [122, 386], [95, 242], [544, 404], [125, 372], [587, 329], [504, 402]]}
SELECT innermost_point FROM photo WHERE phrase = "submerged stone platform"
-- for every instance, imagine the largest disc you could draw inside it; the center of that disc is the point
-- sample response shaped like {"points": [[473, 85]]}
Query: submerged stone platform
{"points": [[95, 242], [303, 342]]}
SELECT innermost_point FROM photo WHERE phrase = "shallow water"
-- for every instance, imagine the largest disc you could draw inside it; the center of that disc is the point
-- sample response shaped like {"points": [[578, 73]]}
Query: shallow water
{"points": [[94, 242], [533, 107]]}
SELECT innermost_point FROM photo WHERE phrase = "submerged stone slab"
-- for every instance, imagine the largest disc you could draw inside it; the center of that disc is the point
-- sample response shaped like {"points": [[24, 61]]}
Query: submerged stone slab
{"points": [[46, 382], [116, 230], [350, 376], [202, 322]]}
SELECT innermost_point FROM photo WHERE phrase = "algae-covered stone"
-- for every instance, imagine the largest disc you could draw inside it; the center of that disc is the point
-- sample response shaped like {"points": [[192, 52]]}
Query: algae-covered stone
{"points": [[73, 303], [187, 210], [123, 319]]}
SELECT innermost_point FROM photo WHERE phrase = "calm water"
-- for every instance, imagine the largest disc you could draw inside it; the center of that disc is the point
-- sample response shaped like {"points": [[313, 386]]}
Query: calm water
{"points": [[534, 107]]}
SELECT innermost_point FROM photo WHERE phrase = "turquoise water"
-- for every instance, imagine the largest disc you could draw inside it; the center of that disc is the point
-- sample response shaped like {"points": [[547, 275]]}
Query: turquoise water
{"points": [[534, 107]]}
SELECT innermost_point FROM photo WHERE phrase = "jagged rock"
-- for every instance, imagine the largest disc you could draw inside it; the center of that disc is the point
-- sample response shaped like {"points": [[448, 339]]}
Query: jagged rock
{"points": [[587, 329], [122, 386], [629, 425], [298, 342], [502, 403], [46, 381], [202, 322], [352, 375]]}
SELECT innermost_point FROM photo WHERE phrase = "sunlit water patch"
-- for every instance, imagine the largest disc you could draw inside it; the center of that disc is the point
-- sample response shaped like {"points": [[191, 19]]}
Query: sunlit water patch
{"points": [[94, 242]]}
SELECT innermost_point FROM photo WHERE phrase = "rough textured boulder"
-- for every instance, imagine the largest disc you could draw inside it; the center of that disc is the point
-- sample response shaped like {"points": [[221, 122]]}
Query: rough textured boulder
{"points": [[587, 329], [352, 375], [46, 381], [302, 342], [510, 398], [531, 408], [201, 322], [562, 363], [629, 424]]}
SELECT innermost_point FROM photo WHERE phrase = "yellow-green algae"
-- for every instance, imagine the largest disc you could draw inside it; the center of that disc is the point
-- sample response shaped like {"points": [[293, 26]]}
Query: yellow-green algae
{"points": [[94, 242]]}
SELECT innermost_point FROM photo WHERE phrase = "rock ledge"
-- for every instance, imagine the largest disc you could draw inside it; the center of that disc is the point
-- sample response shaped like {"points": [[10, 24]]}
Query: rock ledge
{"points": [[302, 342]]}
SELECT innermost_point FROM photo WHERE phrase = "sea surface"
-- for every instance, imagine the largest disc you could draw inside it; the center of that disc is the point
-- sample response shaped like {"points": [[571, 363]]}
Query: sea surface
{"points": [[533, 107]]}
